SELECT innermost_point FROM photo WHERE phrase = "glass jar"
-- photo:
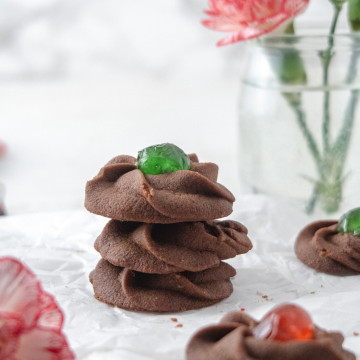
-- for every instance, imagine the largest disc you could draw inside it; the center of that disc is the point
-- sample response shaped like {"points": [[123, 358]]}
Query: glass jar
{"points": [[299, 135]]}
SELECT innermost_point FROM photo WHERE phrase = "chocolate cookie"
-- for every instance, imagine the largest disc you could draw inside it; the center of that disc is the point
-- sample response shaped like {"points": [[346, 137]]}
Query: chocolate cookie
{"points": [[137, 291], [233, 339], [321, 247], [167, 248], [122, 192]]}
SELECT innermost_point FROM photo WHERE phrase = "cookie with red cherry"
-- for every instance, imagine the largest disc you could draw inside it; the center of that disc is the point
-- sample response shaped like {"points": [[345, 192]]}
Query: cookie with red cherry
{"points": [[286, 332]]}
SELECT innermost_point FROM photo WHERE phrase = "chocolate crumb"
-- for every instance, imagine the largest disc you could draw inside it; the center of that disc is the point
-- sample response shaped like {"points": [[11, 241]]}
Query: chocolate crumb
{"points": [[323, 253]]}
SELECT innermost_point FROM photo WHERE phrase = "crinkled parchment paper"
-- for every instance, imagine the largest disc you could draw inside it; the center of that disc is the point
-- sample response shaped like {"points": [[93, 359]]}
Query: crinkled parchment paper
{"points": [[58, 247]]}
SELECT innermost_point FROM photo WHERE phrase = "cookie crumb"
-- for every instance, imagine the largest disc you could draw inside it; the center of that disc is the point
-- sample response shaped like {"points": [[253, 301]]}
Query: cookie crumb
{"points": [[174, 319], [312, 292], [323, 253], [179, 326], [356, 333]]}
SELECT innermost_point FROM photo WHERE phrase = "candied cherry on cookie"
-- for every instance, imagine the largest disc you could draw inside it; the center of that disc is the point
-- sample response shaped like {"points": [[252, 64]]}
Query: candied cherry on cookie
{"points": [[284, 323], [162, 159], [349, 223], [286, 332]]}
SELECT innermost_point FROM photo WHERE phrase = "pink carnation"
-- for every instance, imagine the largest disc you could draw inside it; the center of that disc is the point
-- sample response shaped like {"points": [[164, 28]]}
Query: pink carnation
{"points": [[30, 319], [247, 19]]}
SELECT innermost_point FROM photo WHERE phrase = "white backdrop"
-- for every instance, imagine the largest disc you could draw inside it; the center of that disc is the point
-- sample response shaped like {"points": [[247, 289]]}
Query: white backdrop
{"points": [[83, 80]]}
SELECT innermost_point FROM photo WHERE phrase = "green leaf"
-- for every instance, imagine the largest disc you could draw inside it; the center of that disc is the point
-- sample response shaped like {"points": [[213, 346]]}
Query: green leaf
{"points": [[289, 67], [354, 14], [290, 28]]}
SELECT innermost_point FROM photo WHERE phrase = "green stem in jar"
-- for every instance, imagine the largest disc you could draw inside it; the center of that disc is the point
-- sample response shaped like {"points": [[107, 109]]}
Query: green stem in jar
{"points": [[341, 146], [342, 142], [290, 70], [326, 57], [294, 100], [289, 67]]}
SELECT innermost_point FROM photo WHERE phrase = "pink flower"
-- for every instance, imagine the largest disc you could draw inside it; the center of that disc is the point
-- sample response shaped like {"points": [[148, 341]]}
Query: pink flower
{"points": [[247, 19], [30, 320]]}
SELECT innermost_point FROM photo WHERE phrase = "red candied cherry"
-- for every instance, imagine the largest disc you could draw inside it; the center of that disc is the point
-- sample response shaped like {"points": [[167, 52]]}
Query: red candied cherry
{"points": [[284, 323]]}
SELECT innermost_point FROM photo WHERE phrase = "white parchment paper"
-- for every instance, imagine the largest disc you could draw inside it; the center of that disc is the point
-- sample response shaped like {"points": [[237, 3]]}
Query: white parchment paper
{"points": [[58, 247]]}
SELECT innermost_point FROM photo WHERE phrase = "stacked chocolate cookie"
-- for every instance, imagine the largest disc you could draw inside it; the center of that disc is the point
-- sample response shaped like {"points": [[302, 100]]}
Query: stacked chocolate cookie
{"points": [[163, 250]]}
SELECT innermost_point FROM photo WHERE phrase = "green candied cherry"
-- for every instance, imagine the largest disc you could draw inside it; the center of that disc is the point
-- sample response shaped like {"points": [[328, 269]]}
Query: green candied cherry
{"points": [[350, 222], [162, 159]]}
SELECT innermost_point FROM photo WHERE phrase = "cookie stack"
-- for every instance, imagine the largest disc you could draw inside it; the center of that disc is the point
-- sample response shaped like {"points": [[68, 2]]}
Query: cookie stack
{"points": [[162, 251]]}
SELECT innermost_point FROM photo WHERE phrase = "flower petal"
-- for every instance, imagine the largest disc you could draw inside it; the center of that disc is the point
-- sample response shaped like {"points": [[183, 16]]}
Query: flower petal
{"points": [[44, 344], [19, 290], [221, 23], [30, 319], [247, 19], [11, 327], [250, 32], [50, 314]]}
